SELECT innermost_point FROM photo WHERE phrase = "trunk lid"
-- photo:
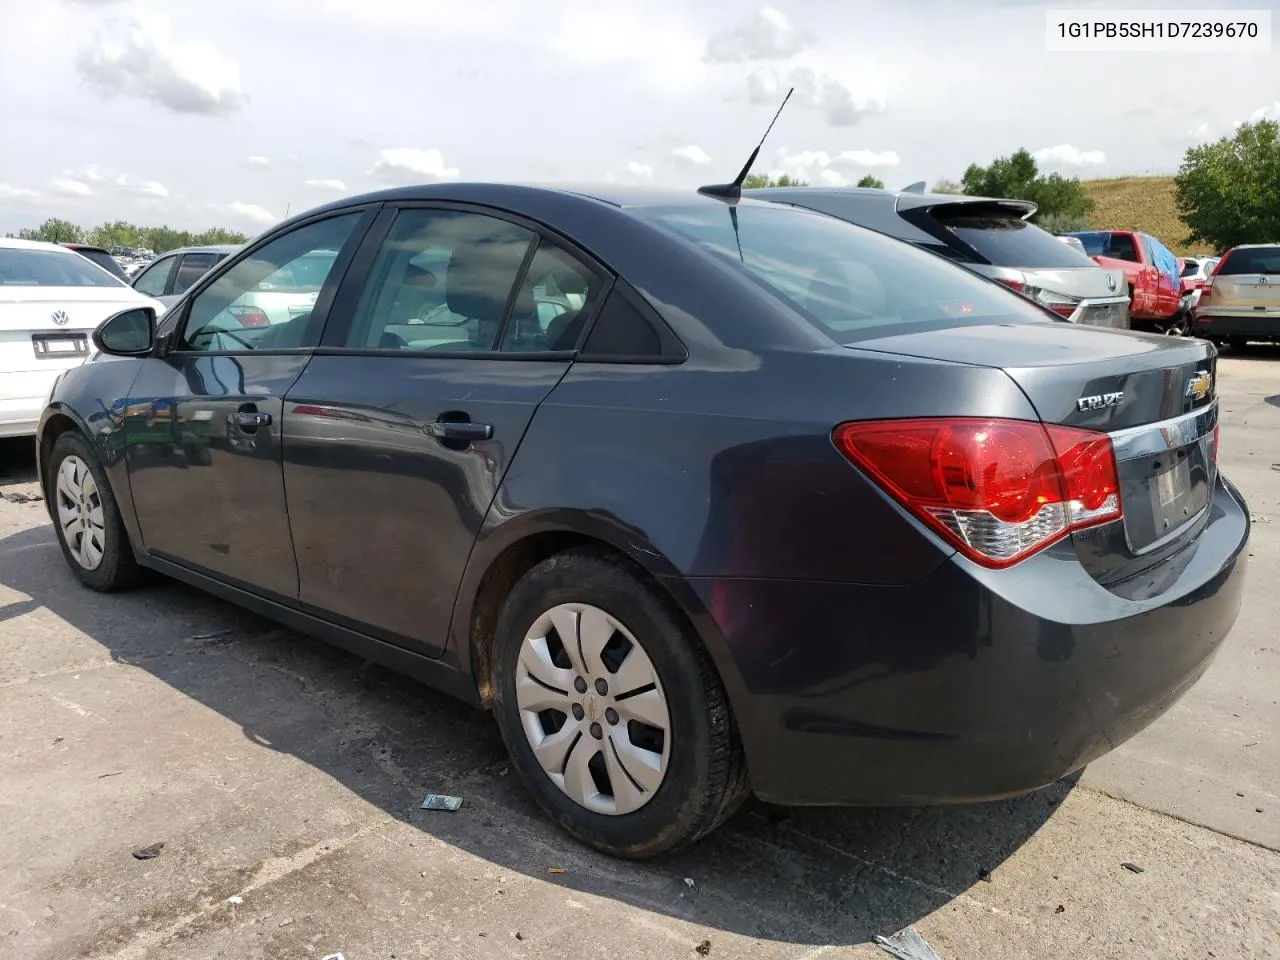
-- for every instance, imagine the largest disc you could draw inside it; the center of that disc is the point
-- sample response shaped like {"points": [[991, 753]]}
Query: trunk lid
{"points": [[1156, 396], [1246, 290], [47, 328]]}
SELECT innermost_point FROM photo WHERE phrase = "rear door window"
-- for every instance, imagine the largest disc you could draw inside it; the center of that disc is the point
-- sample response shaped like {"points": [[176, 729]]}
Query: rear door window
{"points": [[193, 267]]}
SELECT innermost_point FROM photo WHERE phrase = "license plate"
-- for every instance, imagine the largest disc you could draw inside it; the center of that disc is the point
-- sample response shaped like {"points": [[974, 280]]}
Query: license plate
{"points": [[1171, 493], [60, 344]]}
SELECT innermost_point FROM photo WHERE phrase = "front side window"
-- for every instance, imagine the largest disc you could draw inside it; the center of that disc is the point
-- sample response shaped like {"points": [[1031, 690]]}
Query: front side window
{"points": [[154, 279], [265, 301], [22, 267], [849, 282], [440, 282]]}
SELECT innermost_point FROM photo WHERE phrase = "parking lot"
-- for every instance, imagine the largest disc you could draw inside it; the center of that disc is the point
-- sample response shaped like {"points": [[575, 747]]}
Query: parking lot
{"points": [[284, 780]]}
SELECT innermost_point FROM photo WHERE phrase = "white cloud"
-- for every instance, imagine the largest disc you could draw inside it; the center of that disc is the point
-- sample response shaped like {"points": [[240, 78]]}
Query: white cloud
{"points": [[1270, 112], [834, 171], [640, 170], [692, 154], [1065, 155], [72, 188], [765, 35], [252, 213], [10, 192], [258, 161], [411, 165], [92, 173], [140, 60], [840, 105], [336, 185]]}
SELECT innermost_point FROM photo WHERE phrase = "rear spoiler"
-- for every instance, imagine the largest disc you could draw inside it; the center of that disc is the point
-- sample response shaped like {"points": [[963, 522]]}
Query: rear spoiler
{"points": [[942, 205]]}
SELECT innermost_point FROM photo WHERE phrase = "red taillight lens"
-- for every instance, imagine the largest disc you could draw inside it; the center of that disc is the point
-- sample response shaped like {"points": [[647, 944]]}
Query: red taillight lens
{"points": [[1016, 285], [250, 317], [999, 490]]}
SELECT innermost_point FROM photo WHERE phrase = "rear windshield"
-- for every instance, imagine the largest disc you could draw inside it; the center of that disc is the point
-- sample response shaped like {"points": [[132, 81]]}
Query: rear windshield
{"points": [[850, 282], [1010, 242], [50, 268], [104, 260], [1255, 260]]}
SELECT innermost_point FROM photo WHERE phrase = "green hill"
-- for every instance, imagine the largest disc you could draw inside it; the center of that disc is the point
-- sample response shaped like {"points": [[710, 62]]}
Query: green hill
{"points": [[1141, 203]]}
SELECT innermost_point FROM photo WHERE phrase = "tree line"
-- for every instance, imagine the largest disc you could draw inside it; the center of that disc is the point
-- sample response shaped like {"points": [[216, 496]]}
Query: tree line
{"points": [[121, 233], [1227, 192]]}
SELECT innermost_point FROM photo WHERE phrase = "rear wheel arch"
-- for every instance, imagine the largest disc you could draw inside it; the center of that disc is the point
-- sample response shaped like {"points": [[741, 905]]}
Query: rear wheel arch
{"points": [[518, 557]]}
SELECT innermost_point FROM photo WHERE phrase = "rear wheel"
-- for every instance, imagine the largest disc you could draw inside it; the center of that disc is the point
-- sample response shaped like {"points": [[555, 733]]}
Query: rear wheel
{"points": [[1179, 325], [90, 531], [614, 715]]}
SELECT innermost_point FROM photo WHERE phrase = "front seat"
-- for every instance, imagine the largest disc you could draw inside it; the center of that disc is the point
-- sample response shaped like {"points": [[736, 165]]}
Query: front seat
{"points": [[476, 284]]}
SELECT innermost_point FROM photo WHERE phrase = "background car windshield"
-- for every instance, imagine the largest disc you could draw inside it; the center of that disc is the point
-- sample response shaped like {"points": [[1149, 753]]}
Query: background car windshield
{"points": [[1009, 242], [304, 275], [47, 268], [850, 282], [1257, 260]]}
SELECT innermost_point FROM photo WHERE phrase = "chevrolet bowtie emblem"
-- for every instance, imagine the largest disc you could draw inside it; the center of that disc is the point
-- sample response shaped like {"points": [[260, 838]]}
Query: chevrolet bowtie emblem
{"points": [[1198, 387]]}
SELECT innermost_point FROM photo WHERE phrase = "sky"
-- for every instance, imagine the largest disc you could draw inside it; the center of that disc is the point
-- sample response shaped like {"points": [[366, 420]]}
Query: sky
{"points": [[237, 112]]}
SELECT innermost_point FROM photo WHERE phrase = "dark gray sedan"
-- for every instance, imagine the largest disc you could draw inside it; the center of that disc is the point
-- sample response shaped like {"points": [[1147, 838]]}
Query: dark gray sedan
{"points": [[700, 496]]}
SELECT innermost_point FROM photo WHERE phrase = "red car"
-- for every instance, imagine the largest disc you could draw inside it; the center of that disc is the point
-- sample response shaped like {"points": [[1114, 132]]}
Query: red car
{"points": [[1155, 289]]}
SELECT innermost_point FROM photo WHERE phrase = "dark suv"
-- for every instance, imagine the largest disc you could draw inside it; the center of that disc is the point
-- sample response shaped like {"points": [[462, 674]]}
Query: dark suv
{"points": [[989, 236]]}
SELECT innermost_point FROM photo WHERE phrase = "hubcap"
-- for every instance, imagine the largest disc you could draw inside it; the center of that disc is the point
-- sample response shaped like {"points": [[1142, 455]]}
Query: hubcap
{"points": [[80, 513], [593, 709]]}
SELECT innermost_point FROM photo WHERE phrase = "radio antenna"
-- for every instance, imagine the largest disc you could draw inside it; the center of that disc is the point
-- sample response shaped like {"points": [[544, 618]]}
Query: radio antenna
{"points": [[732, 191]]}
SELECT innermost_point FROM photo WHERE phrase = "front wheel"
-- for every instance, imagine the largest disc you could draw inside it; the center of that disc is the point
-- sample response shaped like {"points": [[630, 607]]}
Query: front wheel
{"points": [[90, 531], [613, 713]]}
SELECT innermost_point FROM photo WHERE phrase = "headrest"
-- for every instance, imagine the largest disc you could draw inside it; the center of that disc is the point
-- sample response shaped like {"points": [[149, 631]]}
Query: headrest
{"points": [[416, 276], [479, 277]]}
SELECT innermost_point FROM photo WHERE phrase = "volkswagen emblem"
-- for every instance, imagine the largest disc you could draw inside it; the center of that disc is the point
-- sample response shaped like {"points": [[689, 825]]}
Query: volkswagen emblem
{"points": [[1111, 283], [60, 318]]}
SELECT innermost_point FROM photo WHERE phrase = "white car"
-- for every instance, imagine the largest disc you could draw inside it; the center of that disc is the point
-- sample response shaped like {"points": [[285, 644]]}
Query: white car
{"points": [[51, 300]]}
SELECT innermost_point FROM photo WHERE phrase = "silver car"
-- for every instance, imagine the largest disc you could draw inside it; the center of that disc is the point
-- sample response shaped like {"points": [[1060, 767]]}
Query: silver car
{"points": [[990, 236], [168, 276]]}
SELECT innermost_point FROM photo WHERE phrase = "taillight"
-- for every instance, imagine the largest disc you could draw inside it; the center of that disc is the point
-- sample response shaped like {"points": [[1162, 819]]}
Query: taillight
{"points": [[1015, 285], [250, 316], [999, 490]]}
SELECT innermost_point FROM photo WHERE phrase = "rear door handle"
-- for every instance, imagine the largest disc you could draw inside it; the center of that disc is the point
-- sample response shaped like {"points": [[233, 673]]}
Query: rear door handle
{"points": [[252, 418], [459, 430]]}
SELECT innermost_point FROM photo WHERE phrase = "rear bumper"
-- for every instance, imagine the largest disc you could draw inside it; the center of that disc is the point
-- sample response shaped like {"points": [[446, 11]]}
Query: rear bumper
{"points": [[970, 684], [1251, 324], [19, 416]]}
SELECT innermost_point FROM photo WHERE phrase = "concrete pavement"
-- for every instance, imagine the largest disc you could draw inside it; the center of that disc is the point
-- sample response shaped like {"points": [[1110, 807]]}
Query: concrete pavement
{"points": [[284, 778]]}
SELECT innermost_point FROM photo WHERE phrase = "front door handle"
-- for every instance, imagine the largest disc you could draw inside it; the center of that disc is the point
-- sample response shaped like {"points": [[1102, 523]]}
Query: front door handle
{"points": [[252, 419], [463, 430]]}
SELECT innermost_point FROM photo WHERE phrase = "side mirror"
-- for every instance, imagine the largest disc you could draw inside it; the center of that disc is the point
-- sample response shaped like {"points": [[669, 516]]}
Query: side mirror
{"points": [[129, 333]]}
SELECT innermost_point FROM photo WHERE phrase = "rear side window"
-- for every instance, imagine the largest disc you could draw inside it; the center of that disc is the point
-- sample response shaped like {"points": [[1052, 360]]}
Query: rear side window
{"points": [[1010, 242], [849, 282], [50, 268], [622, 332], [1254, 260]]}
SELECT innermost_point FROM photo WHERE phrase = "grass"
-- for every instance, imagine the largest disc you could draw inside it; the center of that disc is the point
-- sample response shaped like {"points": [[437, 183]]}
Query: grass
{"points": [[1141, 203]]}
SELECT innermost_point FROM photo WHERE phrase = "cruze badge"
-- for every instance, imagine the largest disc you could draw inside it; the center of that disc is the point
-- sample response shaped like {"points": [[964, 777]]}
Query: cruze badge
{"points": [[1198, 387], [1100, 401]]}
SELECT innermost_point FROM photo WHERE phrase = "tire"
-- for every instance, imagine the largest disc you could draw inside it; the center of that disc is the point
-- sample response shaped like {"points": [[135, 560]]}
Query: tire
{"points": [[78, 489], [701, 779]]}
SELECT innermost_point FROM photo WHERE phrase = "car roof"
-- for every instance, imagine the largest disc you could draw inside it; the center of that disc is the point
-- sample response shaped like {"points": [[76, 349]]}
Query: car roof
{"points": [[14, 243], [86, 246], [1254, 246]]}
